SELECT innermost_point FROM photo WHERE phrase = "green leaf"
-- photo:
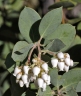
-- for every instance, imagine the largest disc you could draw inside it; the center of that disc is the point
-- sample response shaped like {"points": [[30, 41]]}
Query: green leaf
{"points": [[79, 26], [76, 41], [1, 21], [10, 64], [21, 50], [27, 18], [48, 92], [65, 4], [50, 22], [78, 88], [16, 90], [24, 94], [55, 46], [8, 92], [3, 76], [78, 1], [71, 93], [55, 80], [74, 21], [32, 86], [66, 36], [71, 79]]}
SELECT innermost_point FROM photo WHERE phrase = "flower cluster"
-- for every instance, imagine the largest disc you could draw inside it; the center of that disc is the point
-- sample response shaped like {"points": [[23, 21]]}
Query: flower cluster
{"points": [[36, 72], [62, 61]]}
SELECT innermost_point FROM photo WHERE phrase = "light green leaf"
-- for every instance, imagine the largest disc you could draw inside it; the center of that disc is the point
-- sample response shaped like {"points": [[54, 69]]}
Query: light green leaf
{"points": [[50, 22], [48, 92], [55, 46], [78, 88], [76, 41], [66, 36], [24, 94], [32, 86], [71, 93], [71, 79], [55, 80], [21, 50], [27, 18], [79, 26], [10, 64]]}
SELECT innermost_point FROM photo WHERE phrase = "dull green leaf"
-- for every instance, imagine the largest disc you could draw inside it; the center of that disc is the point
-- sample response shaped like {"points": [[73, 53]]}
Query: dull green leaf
{"points": [[20, 50], [50, 22], [27, 18]]}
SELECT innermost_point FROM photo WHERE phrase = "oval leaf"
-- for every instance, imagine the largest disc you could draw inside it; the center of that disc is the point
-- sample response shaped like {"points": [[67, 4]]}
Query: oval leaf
{"points": [[71, 79], [48, 92], [55, 80], [61, 33], [55, 46], [27, 18], [50, 22], [21, 50], [78, 88]]}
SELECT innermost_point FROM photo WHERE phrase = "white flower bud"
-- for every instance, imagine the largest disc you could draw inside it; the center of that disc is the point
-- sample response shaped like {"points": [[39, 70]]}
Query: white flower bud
{"points": [[67, 55], [21, 83], [45, 67], [34, 60], [60, 55], [48, 80], [66, 68], [18, 75], [44, 77], [24, 78], [16, 71], [71, 62], [26, 69], [40, 82], [54, 62], [67, 61], [36, 70], [44, 86], [61, 66], [27, 84]]}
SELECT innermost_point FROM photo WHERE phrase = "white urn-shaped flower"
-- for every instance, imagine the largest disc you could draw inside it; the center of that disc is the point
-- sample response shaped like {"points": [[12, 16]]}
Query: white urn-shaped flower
{"points": [[60, 55], [61, 66], [54, 62], [45, 67], [36, 70], [25, 78], [21, 83], [16, 70], [26, 69], [67, 61], [40, 82]]}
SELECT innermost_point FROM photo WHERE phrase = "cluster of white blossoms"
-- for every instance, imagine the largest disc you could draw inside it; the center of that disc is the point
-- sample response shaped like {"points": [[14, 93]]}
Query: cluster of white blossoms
{"points": [[37, 73], [62, 61]]}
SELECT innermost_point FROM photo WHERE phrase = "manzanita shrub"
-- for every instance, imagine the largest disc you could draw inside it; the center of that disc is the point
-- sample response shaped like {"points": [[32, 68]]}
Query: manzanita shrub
{"points": [[39, 65]]}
